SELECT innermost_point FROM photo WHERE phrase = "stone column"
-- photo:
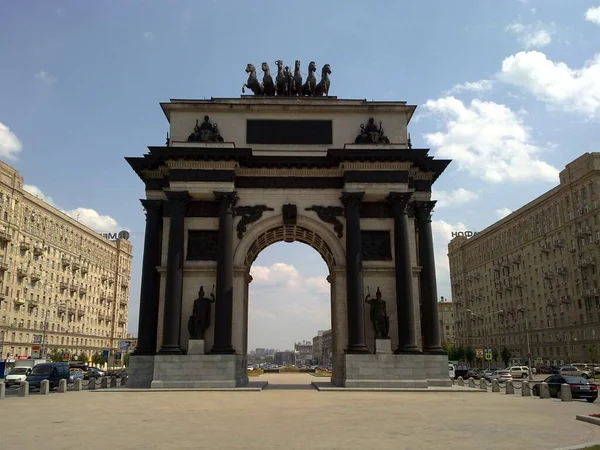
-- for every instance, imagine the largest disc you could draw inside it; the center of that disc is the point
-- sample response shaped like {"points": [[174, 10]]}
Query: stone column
{"points": [[407, 339], [224, 294], [177, 203], [354, 275], [429, 301], [148, 315]]}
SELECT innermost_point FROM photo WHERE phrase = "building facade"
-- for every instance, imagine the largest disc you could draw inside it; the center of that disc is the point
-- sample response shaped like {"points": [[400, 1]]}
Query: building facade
{"points": [[63, 287], [317, 347], [446, 319], [530, 281], [304, 352]]}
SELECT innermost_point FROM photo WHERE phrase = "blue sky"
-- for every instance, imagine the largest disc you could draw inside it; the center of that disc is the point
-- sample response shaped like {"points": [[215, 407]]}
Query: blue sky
{"points": [[510, 90]]}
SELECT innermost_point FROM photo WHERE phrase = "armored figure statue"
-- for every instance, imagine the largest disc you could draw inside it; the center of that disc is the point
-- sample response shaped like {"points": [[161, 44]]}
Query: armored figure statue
{"points": [[200, 319], [378, 314], [371, 134], [206, 132]]}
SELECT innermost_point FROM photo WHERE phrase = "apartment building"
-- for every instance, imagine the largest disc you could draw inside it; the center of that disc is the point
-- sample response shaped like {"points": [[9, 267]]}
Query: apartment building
{"points": [[62, 285], [304, 352], [446, 320], [530, 281]]}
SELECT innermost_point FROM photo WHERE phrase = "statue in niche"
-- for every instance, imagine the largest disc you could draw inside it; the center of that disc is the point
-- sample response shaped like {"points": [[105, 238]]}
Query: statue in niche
{"points": [[378, 314], [200, 319], [371, 134], [206, 132]]}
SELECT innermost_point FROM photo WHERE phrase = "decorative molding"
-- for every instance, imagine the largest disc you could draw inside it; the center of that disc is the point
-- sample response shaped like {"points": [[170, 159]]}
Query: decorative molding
{"points": [[224, 165], [373, 177], [423, 175], [288, 183], [330, 214], [153, 174], [285, 172], [376, 245], [289, 212], [378, 166], [249, 214], [375, 210]]}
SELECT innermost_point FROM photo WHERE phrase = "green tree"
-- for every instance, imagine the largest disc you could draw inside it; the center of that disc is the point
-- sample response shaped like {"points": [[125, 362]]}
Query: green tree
{"points": [[98, 359], [593, 353], [448, 348], [505, 354], [495, 355], [460, 353], [126, 359], [56, 355], [470, 354]]}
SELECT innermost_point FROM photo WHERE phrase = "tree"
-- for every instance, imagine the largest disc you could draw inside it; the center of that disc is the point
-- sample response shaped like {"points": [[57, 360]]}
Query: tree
{"points": [[505, 355], [470, 354], [593, 353], [126, 359], [56, 355], [460, 353], [98, 359], [495, 355]]}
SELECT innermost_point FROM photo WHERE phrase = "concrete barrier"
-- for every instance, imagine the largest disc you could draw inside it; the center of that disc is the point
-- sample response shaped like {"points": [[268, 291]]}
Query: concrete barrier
{"points": [[472, 383], [44, 387], [544, 391], [123, 380], [78, 385], [525, 389], [510, 389], [565, 393], [24, 389], [461, 381], [91, 384], [2, 390], [482, 385], [62, 386], [103, 382], [495, 386], [113, 382]]}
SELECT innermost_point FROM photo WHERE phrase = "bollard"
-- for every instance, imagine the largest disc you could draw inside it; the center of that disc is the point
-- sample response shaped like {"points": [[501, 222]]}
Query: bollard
{"points": [[2, 390], [62, 386], [44, 387], [461, 381], [78, 385], [119, 383], [103, 382], [113, 382], [482, 385], [544, 391], [495, 386], [510, 389], [24, 389], [91, 384], [123, 380], [525, 389], [472, 383], [565, 393]]}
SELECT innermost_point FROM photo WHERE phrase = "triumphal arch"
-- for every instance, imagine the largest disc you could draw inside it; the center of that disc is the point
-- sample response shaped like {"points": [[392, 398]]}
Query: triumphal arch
{"points": [[238, 174]]}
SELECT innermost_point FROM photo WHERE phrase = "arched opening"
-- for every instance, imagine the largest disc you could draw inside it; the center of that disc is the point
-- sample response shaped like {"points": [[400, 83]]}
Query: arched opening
{"points": [[290, 304]]}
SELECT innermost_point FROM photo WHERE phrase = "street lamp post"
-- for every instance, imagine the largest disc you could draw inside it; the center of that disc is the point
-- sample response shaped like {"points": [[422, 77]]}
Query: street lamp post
{"points": [[487, 335], [524, 312]]}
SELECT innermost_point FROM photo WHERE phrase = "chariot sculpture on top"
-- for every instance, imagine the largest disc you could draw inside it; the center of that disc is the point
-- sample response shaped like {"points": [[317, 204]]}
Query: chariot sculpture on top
{"points": [[286, 83]]}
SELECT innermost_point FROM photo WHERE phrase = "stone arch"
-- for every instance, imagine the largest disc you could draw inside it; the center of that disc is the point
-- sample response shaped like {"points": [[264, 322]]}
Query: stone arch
{"points": [[307, 230]]}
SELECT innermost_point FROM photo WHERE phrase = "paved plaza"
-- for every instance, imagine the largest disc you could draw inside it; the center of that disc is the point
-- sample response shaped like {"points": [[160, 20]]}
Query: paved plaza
{"points": [[291, 414]]}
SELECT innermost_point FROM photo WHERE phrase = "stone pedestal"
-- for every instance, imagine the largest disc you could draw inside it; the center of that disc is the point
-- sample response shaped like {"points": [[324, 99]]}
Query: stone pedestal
{"points": [[196, 347], [141, 371], [383, 346]]}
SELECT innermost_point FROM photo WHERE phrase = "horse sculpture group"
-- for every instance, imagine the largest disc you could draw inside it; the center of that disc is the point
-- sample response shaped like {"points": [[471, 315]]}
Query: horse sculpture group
{"points": [[286, 83]]}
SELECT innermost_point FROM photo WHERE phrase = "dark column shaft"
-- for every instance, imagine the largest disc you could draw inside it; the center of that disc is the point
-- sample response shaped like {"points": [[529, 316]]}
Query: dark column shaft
{"points": [[148, 316], [354, 275], [171, 343], [407, 340], [224, 299], [429, 311]]}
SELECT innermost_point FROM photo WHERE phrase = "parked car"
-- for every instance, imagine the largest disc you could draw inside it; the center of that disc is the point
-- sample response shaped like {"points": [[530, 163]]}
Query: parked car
{"points": [[581, 388], [53, 372], [572, 371], [75, 374], [586, 370], [475, 373], [487, 374], [519, 371], [501, 375], [93, 372]]}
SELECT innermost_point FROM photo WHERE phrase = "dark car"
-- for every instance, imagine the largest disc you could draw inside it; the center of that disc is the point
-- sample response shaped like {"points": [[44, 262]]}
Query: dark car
{"points": [[53, 372], [580, 387]]}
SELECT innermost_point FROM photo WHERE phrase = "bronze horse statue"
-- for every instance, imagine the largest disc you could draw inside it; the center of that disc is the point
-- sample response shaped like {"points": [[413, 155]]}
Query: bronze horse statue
{"points": [[281, 79], [323, 87], [311, 81], [296, 88], [268, 87], [252, 83]]}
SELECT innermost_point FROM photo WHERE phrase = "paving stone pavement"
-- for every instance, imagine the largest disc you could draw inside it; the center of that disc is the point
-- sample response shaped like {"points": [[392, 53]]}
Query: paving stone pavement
{"points": [[291, 414]]}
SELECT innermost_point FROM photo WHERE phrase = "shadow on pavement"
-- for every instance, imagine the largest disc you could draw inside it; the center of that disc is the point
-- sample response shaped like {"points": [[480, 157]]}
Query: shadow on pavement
{"points": [[289, 387]]}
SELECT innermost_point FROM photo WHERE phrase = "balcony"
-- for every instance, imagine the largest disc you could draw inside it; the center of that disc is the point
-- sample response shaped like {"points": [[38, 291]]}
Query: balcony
{"points": [[558, 243], [38, 249], [84, 269], [586, 262], [516, 259], [506, 263], [64, 285], [549, 275], [35, 275], [103, 277], [65, 261], [61, 308], [3, 266], [592, 260], [545, 247], [124, 282], [477, 275], [80, 313], [122, 320], [508, 286], [21, 272], [73, 288], [562, 270], [24, 245], [124, 301], [455, 283], [102, 297], [75, 265], [4, 236], [519, 284], [19, 301], [101, 315], [33, 303], [82, 290], [2, 296], [565, 299]]}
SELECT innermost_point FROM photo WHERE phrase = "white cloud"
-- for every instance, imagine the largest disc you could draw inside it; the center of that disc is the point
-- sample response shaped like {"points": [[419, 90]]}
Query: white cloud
{"points": [[472, 86], [455, 197], [44, 78], [284, 304], [442, 235], [555, 82], [10, 144], [593, 15], [503, 212], [533, 35], [86, 216], [488, 140]]}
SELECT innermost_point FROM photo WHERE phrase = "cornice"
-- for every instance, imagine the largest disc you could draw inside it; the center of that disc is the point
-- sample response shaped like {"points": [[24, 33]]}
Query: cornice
{"points": [[376, 165], [223, 165], [283, 172], [423, 175]]}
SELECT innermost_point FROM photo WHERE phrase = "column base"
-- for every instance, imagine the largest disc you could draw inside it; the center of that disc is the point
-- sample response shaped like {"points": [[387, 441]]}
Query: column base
{"points": [[357, 350], [228, 350], [141, 352], [171, 350], [434, 350], [407, 350]]}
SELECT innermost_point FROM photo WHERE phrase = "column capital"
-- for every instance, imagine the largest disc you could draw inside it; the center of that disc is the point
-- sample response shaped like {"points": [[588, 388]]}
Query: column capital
{"points": [[399, 200], [424, 208], [229, 197], [352, 198], [180, 197], [151, 206]]}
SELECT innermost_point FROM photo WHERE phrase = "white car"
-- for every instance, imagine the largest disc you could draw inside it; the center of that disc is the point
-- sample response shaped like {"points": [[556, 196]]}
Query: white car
{"points": [[519, 371], [586, 370], [501, 375], [572, 371]]}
